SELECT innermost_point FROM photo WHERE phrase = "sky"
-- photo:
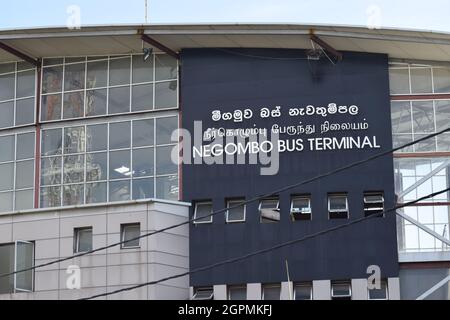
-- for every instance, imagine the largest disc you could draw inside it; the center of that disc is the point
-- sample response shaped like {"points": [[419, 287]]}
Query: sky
{"points": [[410, 14]]}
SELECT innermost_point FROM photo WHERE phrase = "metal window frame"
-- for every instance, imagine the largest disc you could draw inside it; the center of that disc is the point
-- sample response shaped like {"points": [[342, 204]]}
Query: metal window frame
{"points": [[77, 232], [195, 212], [369, 210], [203, 289], [308, 285], [347, 283], [269, 286], [15, 266], [123, 228], [302, 197], [232, 202], [342, 211], [385, 282], [236, 287]]}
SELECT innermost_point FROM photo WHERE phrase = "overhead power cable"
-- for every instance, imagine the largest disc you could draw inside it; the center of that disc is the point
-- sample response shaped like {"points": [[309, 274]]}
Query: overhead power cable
{"points": [[266, 250], [274, 192]]}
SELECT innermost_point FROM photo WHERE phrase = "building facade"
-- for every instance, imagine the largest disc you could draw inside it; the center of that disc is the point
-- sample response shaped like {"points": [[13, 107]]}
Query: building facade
{"points": [[91, 156]]}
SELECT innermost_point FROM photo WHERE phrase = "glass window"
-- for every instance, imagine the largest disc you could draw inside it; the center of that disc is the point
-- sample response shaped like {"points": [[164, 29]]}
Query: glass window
{"points": [[119, 135], [399, 81], [166, 95], [24, 199], [52, 79], [301, 208], [96, 166], [401, 117], [97, 137], [143, 188], [203, 293], [373, 203], [167, 187], [25, 84], [341, 290], [129, 233], [74, 140], [237, 293], [96, 192], [74, 76], [7, 174], [51, 107], [25, 174], [164, 162], [7, 67], [119, 164], [13, 257], [119, 190], [73, 194], [421, 80], [119, 100], [303, 291], [6, 202], [83, 240], [97, 74], [442, 114], [73, 105], [7, 118], [142, 97], [143, 133], [7, 253], [52, 61], [166, 67], [164, 130], [338, 206], [96, 102], [119, 71], [269, 210], [441, 80], [202, 212], [50, 197], [142, 70], [7, 148], [7, 86], [51, 142], [236, 211], [24, 111], [143, 162], [271, 292], [423, 116], [73, 169], [51, 170]]}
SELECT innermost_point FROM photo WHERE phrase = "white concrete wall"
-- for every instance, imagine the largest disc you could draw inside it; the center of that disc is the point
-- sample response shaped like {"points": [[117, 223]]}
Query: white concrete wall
{"points": [[159, 256]]}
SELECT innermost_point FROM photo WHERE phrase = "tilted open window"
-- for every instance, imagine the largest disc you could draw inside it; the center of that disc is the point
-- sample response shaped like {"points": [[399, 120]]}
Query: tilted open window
{"points": [[269, 210], [373, 203], [301, 208]]}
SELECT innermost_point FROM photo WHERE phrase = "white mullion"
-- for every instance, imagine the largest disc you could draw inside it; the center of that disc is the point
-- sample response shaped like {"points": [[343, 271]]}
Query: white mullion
{"points": [[107, 88], [154, 84], [15, 173], [85, 87], [63, 88], [154, 158], [15, 95], [131, 160], [107, 163]]}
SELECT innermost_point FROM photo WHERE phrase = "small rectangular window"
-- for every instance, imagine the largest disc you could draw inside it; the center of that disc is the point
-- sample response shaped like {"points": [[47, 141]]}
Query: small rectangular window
{"points": [[379, 294], [236, 211], [373, 203], [269, 210], [203, 293], [271, 292], [83, 240], [202, 212], [303, 291], [338, 206], [129, 233], [341, 290], [237, 292], [301, 208]]}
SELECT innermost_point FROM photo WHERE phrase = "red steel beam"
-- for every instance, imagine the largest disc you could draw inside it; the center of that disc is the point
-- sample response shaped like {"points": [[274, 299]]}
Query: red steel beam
{"points": [[160, 46], [326, 46], [19, 54]]}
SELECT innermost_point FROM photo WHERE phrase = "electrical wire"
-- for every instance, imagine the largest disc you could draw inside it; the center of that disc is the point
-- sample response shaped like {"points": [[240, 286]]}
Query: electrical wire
{"points": [[280, 190], [272, 248]]}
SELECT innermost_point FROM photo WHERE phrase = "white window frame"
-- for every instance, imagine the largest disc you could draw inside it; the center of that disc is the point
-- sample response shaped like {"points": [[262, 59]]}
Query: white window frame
{"points": [[338, 210], [231, 203], [341, 283], [304, 197], [16, 289], [386, 288], [195, 212], [304, 285], [77, 238], [122, 235]]}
